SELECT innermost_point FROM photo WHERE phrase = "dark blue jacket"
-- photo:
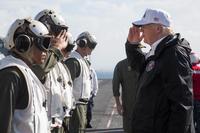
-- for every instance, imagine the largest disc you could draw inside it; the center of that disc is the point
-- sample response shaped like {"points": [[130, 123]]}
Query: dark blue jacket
{"points": [[164, 97]]}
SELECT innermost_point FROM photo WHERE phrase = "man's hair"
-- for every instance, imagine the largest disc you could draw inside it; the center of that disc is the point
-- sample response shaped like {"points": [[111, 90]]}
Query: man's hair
{"points": [[167, 30]]}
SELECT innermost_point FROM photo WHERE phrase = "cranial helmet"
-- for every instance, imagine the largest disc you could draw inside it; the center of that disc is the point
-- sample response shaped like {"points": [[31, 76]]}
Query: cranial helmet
{"points": [[85, 39], [70, 45], [23, 33], [194, 57], [52, 20]]}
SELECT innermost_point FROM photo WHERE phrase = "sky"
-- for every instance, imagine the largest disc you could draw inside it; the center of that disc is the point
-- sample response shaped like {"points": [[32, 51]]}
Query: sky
{"points": [[108, 20]]}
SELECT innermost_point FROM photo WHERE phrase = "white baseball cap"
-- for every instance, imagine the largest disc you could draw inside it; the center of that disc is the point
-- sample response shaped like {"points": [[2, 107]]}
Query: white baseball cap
{"points": [[154, 16]]}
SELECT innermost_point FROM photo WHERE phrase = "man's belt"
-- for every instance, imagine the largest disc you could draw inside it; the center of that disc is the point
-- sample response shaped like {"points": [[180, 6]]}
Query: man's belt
{"points": [[83, 100]]}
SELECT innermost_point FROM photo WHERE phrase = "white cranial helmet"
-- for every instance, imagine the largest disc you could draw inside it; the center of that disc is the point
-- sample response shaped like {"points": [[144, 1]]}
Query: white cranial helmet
{"points": [[71, 41], [23, 32], [52, 20]]}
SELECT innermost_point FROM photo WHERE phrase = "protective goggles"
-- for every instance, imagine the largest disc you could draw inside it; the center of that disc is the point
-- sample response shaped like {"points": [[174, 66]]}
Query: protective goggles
{"points": [[42, 43], [56, 29]]}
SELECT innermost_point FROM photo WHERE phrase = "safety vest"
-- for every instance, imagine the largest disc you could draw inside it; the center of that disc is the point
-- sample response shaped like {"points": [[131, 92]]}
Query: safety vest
{"points": [[32, 119], [81, 84], [60, 99], [67, 94]]}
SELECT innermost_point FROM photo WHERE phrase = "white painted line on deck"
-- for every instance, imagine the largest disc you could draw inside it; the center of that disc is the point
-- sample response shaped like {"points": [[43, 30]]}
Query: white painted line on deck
{"points": [[111, 116]]}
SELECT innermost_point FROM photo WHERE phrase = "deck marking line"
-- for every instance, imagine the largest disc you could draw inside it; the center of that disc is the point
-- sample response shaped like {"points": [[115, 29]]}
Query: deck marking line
{"points": [[110, 119]]}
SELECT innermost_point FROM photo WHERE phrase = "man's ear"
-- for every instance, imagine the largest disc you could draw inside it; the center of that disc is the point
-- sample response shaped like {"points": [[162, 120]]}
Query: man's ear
{"points": [[159, 29]]}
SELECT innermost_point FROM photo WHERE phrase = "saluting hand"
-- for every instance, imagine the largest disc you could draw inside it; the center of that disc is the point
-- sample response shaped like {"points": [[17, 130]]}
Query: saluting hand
{"points": [[135, 34], [60, 41]]}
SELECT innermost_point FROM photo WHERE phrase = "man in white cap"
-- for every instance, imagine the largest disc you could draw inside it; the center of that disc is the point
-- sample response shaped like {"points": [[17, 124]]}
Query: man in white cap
{"points": [[163, 103]]}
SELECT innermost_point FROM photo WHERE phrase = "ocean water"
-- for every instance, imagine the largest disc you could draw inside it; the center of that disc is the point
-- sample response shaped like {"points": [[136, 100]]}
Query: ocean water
{"points": [[100, 74], [104, 74]]}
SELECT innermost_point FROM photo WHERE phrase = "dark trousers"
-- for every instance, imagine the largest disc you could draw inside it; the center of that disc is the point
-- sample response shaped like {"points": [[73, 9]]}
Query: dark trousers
{"points": [[197, 115], [89, 110], [127, 124]]}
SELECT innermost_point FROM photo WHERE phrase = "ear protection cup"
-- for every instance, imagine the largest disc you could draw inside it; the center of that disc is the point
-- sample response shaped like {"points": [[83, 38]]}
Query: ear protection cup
{"points": [[82, 42], [23, 43]]}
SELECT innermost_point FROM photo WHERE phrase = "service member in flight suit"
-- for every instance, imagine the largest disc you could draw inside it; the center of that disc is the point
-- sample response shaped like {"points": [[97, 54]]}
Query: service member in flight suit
{"points": [[125, 79], [22, 96], [57, 81], [79, 69]]}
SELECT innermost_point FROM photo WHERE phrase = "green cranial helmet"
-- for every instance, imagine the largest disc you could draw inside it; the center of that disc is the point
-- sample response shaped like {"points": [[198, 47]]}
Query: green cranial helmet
{"points": [[85, 39]]}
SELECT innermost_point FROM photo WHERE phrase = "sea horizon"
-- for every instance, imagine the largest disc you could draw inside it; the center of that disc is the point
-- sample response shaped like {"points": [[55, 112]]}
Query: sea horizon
{"points": [[104, 74]]}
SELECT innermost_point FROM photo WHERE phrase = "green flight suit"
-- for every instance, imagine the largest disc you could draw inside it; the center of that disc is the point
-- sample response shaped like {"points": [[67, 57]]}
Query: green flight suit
{"points": [[127, 78]]}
